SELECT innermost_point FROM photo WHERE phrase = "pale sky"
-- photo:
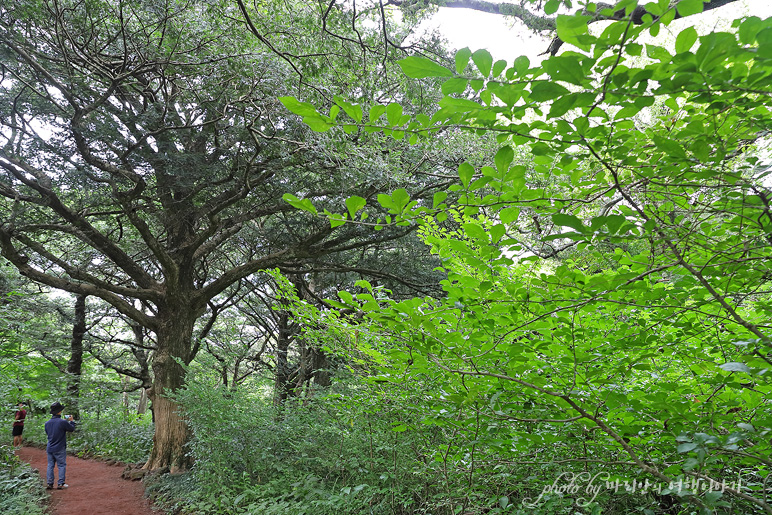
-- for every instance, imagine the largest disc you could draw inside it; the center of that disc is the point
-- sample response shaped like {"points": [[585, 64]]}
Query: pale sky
{"points": [[464, 27]]}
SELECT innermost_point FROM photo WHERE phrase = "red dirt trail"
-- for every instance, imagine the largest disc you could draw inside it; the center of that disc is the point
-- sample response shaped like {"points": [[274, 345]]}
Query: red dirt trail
{"points": [[95, 487]]}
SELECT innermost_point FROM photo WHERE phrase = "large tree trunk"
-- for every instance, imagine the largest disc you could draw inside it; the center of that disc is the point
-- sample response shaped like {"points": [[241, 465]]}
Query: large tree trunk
{"points": [[171, 431], [75, 363]]}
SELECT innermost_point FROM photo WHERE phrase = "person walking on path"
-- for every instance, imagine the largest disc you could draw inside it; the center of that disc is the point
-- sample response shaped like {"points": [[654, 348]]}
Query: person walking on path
{"points": [[57, 429], [18, 424]]}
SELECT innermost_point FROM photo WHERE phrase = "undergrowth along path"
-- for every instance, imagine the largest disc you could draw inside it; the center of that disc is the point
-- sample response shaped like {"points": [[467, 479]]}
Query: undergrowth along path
{"points": [[96, 488]]}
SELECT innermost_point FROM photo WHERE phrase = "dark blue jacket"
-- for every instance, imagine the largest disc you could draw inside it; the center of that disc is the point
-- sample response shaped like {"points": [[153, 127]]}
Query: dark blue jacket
{"points": [[57, 430]]}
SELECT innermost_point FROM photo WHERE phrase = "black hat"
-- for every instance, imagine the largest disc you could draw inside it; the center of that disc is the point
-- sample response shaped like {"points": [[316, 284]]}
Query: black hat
{"points": [[56, 408]]}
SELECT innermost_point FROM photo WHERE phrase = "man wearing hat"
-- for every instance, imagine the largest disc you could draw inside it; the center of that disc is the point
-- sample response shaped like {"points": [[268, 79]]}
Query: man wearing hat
{"points": [[57, 429]]}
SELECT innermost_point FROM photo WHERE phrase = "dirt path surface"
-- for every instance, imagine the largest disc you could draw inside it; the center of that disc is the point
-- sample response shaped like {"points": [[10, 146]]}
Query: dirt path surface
{"points": [[95, 487]]}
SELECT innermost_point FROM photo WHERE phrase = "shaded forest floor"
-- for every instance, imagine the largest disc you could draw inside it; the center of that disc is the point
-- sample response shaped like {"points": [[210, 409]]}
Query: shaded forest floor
{"points": [[96, 488]]}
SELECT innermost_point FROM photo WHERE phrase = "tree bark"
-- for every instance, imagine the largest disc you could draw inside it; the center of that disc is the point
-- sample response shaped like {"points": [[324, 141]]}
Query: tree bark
{"points": [[282, 372], [75, 363], [171, 430], [320, 367]]}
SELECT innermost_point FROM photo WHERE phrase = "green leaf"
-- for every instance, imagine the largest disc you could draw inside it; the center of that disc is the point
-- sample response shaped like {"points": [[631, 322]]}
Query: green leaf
{"points": [[462, 59], [461, 105], [689, 7], [691, 464], [522, 64], [498, 67], [657, 52], [303, 204], [614, 222], [504, 158], [685, 40], [669, 146], [714, 49], [376, 111], [565, 103], [393, 113], [749, 28], [655, 9], [509, 214], [571, 221], [735, 367], [317, 123], [540, 149], [298, 107], [385, 201], [354, 204], [483, 60], [354, 111], [508, 93], [712, 496], [455, 85], [570, 27], [475, 232], [465, 173], [497, 232], [439, 198], [542, 90], [686, 447], [566, 68], [420, 67], [400, 198], [336, 219], [551, 7]]}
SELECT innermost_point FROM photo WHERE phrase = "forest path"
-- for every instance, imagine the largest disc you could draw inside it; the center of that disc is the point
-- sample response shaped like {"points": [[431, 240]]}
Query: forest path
{"points": [[95, 487]]}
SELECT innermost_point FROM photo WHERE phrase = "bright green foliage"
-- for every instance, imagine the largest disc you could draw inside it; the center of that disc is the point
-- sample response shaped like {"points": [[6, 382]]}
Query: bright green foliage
{"points": [[610, 303]]}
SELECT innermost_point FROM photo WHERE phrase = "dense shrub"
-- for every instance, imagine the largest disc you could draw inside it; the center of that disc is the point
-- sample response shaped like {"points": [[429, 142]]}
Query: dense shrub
{"points": [[21, 492], [336, 453], [364, 449]]}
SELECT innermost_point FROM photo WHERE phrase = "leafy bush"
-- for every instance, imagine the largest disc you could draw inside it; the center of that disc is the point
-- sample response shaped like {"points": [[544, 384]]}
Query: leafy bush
{"points": [[114, 435], [336, 454], [358, 449], [21, 492]]}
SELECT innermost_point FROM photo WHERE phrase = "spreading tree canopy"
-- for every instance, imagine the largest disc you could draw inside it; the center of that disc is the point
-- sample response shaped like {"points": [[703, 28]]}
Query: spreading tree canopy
{"points": [[145, 161]]}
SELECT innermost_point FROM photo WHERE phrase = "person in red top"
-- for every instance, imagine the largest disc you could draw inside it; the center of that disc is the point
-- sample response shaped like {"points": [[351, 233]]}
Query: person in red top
{"points": [[18, 424]]}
